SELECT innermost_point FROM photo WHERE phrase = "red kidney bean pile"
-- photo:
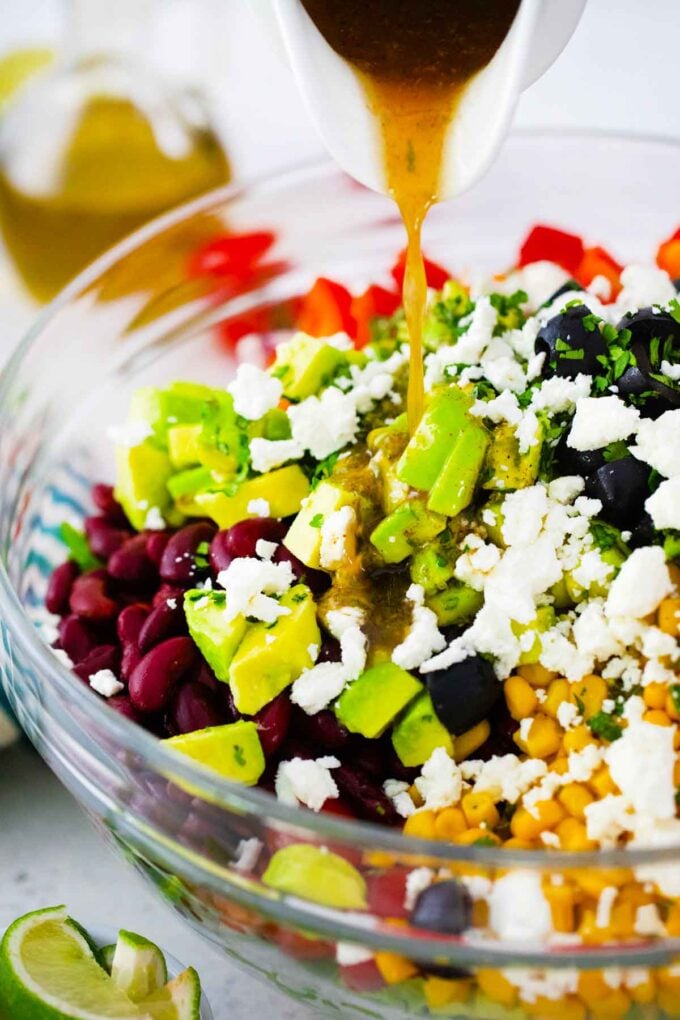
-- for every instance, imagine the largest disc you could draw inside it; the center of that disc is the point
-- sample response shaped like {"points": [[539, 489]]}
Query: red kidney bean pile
{"points": [[127, 616]]}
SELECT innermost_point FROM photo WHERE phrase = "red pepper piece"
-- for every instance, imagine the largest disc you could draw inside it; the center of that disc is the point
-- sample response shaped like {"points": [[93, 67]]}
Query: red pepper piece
{"points": [[549, 244], [668, 255], [326, 309], [362, 977], [233, 256], [598, 262], [386, 893], [435, 274], [373, 303]]}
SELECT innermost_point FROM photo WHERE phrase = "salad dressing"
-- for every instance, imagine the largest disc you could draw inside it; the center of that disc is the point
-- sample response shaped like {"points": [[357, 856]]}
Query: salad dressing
{"points": [[415, 62]]}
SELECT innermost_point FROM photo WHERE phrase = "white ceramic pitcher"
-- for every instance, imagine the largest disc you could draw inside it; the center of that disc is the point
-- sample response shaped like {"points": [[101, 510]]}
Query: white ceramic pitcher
{"points": [[347, 127]]}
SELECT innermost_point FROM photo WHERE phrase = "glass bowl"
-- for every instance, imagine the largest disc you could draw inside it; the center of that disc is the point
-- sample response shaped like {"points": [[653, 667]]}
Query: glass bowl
{"points": [[146, 312]]}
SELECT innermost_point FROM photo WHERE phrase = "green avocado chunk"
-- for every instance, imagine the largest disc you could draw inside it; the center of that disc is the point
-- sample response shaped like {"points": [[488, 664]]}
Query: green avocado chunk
{"points": [[216, 637], [419, 732], [409, 526], [455, 484], [316, 874], [184, 445], [142, 474], [303, 538], [283, 489], [431, 443], [545, 619], [377, 697], [304, 364], [234, 750], [505, 468], [271, 656], [457, 604], [180, 403], [434, 564]]}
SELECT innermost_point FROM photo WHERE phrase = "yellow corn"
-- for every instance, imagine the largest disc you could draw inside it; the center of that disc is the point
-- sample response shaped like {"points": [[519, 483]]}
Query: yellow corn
{"points": [[421, 825], [520, 697], [544, 738], [468, 742], [612, 1006], [480, 808], [592, 986], [669, 978], [394, 968], [668, 617], [525, 825], [602, 783], [594, 881], [562, 900], [560, 765], [496, 987], [657, 716], [570, 1008], [573, 835], [575, 798], [669, 1002], [655, 694], [645, 992], [449, 823], [577, 739], [558, 691], [590, 692], [515, 843], [472, 835], [442, 991], [673, 920]]}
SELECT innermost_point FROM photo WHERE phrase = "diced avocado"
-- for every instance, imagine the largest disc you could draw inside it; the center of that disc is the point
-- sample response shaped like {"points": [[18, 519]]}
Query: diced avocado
{"points": [[409, 526], [180, 403], [419, 732], [370, 704], [492, 518], [284, 490], [234, 750], [191, 481], [315, 873], [304, 364], [271, 656], [505, 468], [430, 445], [303, 538], [216, 637], [545, 619], [275, 424], [224, 444], [457, 604], [434, 564], [455, 485], [387, 445], [560, 594], [142, 474], [184, 445]]}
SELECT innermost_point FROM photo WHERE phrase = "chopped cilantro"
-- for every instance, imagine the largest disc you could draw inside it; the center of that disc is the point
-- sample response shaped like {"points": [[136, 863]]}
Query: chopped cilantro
{"points": [[675, 696], [615, 451], [590, 322], [78, 547], [324, 469], [602, 725], [485, 841], [316, 521], [580, 705], [239, 756]]}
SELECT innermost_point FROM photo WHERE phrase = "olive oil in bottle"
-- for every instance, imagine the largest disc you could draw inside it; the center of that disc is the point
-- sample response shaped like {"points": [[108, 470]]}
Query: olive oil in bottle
{"points": [[96, 147]]}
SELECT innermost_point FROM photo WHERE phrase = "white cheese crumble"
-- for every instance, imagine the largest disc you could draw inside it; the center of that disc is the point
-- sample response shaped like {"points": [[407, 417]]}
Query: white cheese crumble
{"points": [[105, 682], [641, 764], [154, 520], [324, 424], [440, 782], [641, 584], [318, 686], [417, 881], [559, 396], [307, 781], [250, 584], [518, 910], [264, 549], [601, 420], [397, 791], [338, 534], [424, 638], [657, 443], [247, 854], [254, 391], [267, 454], [663, 506], [349, 954], [258, 507], [644, 285]]}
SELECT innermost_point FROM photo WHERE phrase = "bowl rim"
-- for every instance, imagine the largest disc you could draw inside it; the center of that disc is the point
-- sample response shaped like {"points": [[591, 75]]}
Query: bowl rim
{"points": [[131, 737]]}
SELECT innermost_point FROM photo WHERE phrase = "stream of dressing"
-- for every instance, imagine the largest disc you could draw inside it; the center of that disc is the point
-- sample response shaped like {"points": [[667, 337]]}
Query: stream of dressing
{"points": [[415, 61]]}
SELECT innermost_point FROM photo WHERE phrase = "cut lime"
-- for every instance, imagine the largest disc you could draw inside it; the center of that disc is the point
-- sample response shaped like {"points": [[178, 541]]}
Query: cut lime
{"points": [[138, 966], [105, 957], [180, 999], [48, 971]]}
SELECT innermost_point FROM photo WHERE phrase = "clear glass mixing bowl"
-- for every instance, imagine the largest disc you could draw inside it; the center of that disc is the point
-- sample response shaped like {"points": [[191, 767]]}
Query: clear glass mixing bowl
{"points": [[139, 315]]}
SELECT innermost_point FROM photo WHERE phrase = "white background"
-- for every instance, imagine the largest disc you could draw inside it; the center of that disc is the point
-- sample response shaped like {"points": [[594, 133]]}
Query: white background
{"points": [[619, 73]]}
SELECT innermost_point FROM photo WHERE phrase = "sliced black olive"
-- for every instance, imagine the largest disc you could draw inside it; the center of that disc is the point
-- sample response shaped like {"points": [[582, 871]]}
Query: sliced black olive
{"points": [[445, 907], [567, 288], [643, 531], [577, 462], [622, 486], [464, 694], [647, 323], [646, 326], [570, 346]]}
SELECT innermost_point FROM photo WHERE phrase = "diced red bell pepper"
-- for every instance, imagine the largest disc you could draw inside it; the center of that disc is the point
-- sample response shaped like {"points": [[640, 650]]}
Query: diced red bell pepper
{"points": [[326, 309], [435, 274], [299, 946], [598, 262], [549, 244], [374, 302], [668, 255], [386, 893], [266, 319], [362, 977], [233, 256]]}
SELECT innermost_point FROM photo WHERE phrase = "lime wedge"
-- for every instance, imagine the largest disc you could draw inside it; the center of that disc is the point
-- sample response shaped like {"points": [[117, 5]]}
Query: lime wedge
{"points": [[49, 972], [16, 67], [105, 957], [180, 999], [138, 966]]}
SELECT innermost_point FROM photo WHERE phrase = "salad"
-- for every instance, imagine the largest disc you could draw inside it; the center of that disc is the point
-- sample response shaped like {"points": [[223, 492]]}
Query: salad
{"points": [[469, 632]]}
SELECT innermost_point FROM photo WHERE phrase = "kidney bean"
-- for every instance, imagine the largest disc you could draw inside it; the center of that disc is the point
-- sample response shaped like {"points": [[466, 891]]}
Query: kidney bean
{"points": [[227, 699], [241, 540], [166, 592], [89, 598], [193, 707], [59, 587], [206, 677], [129, 661], [163, 621], [105, 501], [131, 564], [103, 537], [295, 748], [321, 730], [316, 580], [101, 657], [272, 723], [122, 704], [220, 555], [368, 757], [365, 795], [178, 563], [155, 545], [154, 677], [76, 638], [130, 622]]}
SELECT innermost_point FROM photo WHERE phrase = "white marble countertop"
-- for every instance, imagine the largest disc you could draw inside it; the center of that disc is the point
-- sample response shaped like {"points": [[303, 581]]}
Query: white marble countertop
{"points": [[618, 73]]}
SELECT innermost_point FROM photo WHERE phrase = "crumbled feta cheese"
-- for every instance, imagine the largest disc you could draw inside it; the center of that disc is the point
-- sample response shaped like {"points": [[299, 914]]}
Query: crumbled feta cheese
{"points": [[601, 420], [568, 715], [642, 286], [440, 782], [652, 834], [307, 781], [566, 488], [129, 435], [254, 392], [154, 520], [657, 443], [641, 584], [247, 854], [560, 396], [523, 514], [267, 454], [518, 910], [664, 505], [250, 584], [324, 424], [533, 985], [349, 954], [592, 570], [424, 638], [605, 902], [397, 791], [648, 921], [583, 764], [478, 335], [593, 634], [607, 819], [528, 432], [672, 371], [264, 549], [506, 777], [317, 687], [258, 507], [338, 533], [502, 408], [641, 764], [105, 682]]}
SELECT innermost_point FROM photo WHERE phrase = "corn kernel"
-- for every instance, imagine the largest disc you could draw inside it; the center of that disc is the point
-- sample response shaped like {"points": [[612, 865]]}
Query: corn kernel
{"points": [[602, 783], [449, 823], [547, 814], [573, 835], [479, 808], [515, 843], [673, 920], [657, 716], [536, 675], [612, 1006], [575, 798], [496, 987], [593, 882], [442, 991], [668, 617], [644, 992], [394, 968], [558, 692], [577, 739], [590, 692], [421, 825], [415, 795], [468, 742], [668, 1003], [655, 694], [669, 978], [473, 835], [544, 738], [520, 697], [562, 900], [542, 1008], [560, 765]]}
